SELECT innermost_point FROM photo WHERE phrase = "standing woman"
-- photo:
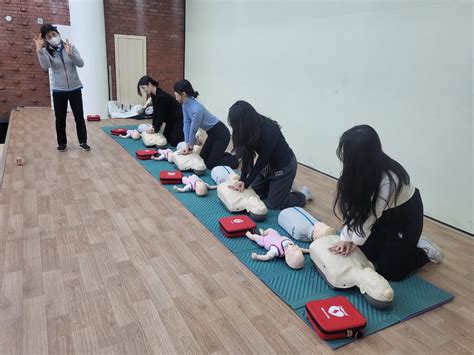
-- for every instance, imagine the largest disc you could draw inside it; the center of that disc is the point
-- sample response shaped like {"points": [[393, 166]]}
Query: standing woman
{"points": [[381, 210], [165, 110], [272, 175], [63, 58], [197, 116]]}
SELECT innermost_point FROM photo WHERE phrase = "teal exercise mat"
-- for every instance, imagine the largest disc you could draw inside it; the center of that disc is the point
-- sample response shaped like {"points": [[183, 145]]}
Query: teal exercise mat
{"points": [[413, 295]]}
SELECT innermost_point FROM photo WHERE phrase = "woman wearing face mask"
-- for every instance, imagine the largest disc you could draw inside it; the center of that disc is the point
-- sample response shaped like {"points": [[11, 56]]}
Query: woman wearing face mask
{"points": [[165, 110], [63, 59]]}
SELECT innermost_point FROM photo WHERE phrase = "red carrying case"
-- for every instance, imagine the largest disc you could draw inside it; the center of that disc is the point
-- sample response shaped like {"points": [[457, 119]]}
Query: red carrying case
{"points": [[118, 132], [171, 177], [93, 117], [236, 226], [145, 154], [335, 318]]}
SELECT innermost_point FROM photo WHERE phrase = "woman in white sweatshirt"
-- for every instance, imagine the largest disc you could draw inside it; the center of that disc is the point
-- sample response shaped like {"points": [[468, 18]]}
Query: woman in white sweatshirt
{"points": [[382, 211]]}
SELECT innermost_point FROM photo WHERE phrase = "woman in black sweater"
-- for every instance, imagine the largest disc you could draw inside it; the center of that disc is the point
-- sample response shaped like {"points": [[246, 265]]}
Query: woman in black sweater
{"points": [[272, 175], [165, 110]]}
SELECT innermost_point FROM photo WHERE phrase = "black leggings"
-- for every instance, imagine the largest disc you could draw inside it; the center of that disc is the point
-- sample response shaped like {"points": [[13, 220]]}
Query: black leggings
{"points": [[173, 131], [60, 100], [214, 150], [274, 188], [392, 243]]}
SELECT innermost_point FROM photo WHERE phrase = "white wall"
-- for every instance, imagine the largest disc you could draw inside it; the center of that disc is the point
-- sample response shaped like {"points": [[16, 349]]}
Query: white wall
{"points": [[88, 30], [320, 67]]}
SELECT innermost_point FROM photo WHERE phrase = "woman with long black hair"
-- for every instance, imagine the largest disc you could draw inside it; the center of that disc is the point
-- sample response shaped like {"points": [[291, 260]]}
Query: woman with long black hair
{"points": [[196, 116], [63, 59], [381, 210], [272, 175], [165, 110]]}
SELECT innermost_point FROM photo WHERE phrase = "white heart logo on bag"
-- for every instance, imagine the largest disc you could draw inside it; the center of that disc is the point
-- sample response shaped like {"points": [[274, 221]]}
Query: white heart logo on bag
{"points": [[337, 311], [171, 174], [237, 220]]}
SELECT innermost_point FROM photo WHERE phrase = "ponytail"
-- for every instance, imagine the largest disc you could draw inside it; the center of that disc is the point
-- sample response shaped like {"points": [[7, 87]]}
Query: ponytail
{"points": [[145, 80], [185, 86]]}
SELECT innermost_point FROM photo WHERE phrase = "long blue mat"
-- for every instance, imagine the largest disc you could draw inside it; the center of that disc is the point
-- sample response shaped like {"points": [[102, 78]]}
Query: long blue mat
{"points": [[413, 295]]}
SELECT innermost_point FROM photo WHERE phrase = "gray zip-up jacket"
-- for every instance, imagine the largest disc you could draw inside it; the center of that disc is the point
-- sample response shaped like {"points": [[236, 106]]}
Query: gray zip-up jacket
{"points": [[65, 77]]}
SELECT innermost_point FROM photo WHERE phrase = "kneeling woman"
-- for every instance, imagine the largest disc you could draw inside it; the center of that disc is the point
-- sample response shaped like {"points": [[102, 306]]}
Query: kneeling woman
{"points": [[165, 110], [382, 211], [273, 173], [197, 116]]}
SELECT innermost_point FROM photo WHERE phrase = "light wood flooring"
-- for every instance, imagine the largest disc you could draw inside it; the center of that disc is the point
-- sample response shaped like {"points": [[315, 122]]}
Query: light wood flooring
{"points": [[97, 257]]}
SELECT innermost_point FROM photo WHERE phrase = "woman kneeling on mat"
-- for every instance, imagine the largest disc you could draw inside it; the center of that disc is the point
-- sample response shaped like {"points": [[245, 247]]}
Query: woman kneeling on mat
{"points": [[272, 175], [165, 110], [197, 116], [382, 211]]}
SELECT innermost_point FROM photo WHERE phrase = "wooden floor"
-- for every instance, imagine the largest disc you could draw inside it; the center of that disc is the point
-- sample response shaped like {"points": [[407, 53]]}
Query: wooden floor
{"points": [[97, 257]]}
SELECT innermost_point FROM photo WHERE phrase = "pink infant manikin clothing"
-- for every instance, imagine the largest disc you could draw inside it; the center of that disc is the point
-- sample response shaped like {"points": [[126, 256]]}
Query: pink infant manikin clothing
{"points": [[273, 239]]}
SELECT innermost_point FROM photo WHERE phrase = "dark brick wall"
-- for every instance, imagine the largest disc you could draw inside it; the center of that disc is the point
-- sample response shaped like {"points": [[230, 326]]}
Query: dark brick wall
{"points": [[162, 22], [22, 81]]}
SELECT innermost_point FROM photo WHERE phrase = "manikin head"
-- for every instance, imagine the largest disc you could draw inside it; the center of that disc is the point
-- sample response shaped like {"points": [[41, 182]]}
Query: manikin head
{"points": [[201, 188], [233, 178], [375, 288], [136, 135], [321, 229], [143, 127], [294, 256]]}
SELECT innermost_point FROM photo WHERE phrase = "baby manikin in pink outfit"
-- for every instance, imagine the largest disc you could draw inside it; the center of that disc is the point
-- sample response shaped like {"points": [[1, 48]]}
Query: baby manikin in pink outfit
{"points": [[278, 246], [194, 183]]}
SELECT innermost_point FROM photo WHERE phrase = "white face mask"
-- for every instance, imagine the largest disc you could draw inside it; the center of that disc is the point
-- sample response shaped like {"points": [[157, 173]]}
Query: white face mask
{"points": [[55, 41]]}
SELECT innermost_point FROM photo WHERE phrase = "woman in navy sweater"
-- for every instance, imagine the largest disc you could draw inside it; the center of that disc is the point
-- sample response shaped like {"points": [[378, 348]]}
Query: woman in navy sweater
{"points": [[272, 175]]}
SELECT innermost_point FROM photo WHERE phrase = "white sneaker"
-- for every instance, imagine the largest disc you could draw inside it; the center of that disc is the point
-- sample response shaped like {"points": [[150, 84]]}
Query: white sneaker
{"points": [[294, 187], [307, 193], [434, 253]]}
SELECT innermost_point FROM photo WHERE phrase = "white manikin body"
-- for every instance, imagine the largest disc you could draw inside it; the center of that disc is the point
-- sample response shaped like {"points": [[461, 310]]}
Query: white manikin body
{"points": [[190, 161], [349, 271], [153, 139], [236, 201]]}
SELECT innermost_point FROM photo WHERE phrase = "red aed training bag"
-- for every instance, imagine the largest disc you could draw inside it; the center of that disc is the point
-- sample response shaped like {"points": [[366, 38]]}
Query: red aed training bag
{"points": [[145, 154], [171, 177], [335, 318], [93, 117], [118, 132], [236, 226]]}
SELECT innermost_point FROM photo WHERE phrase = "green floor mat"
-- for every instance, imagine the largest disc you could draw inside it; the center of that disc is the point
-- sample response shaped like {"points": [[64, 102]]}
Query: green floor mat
{"points": [[295, 287]]}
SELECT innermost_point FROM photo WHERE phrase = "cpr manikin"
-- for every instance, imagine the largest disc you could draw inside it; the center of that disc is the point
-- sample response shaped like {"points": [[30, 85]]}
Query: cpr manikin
{"points": [[194, 183], [151, 139], [278, 246], [236, 201], [221, 174], [302, 226], [341, 271], [190, 161]]}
